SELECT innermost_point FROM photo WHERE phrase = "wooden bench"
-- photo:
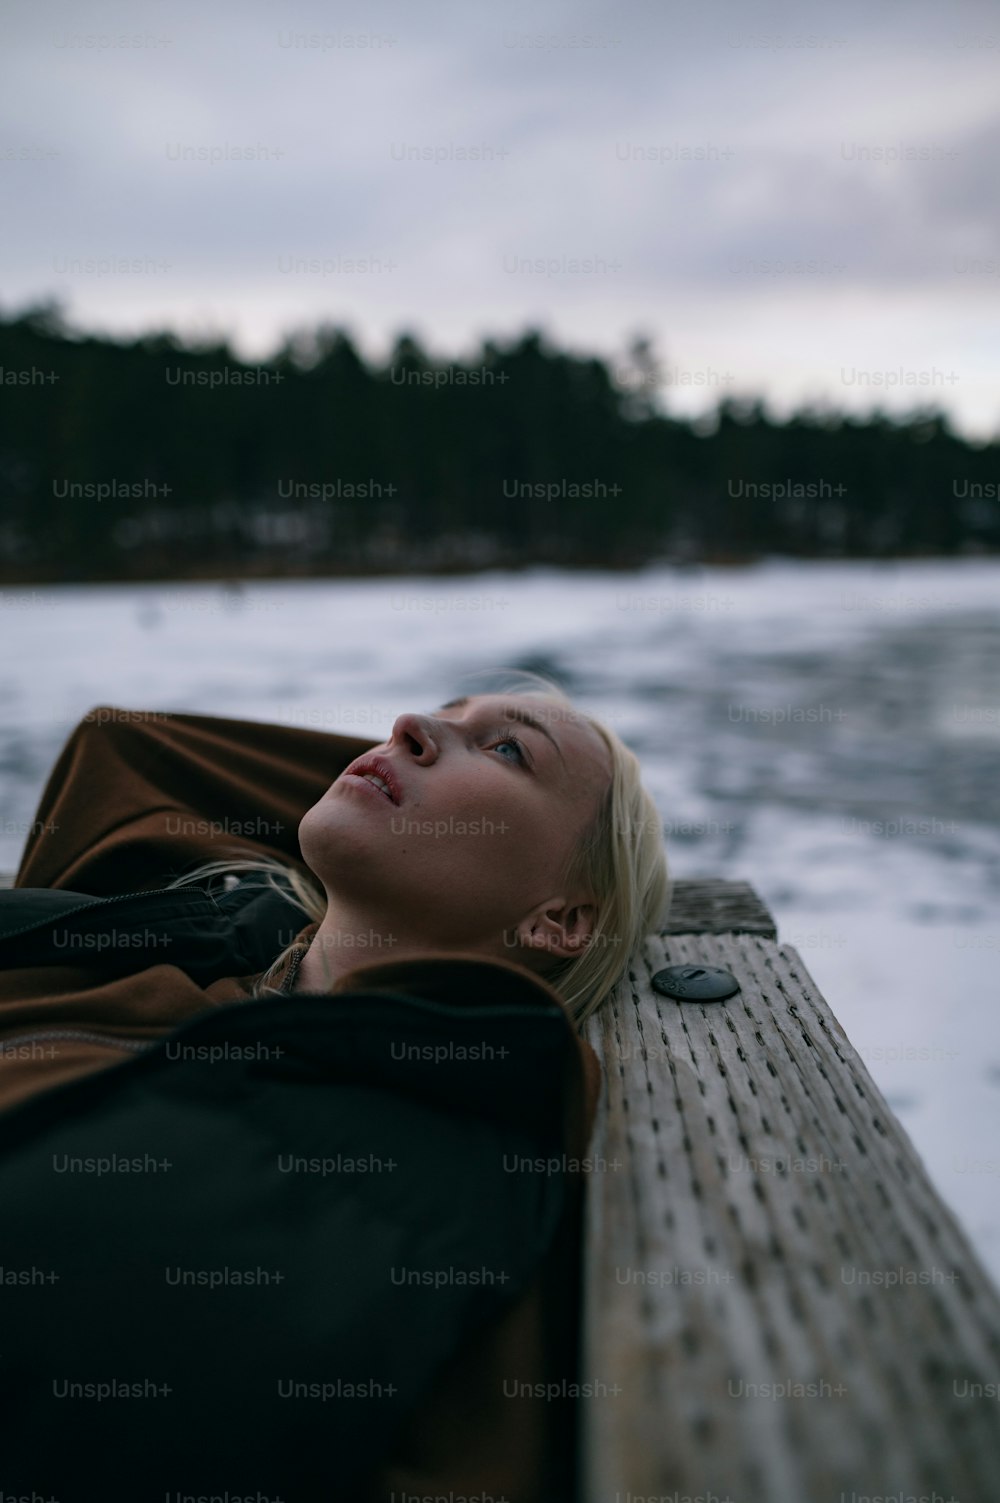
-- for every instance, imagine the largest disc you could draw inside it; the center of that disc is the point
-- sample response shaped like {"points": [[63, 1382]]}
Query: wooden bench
{"points": [[778, 1307]]}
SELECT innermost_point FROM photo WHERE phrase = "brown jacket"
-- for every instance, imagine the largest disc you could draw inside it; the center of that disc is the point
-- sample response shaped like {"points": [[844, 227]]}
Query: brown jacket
{"points": [[134, 799]]}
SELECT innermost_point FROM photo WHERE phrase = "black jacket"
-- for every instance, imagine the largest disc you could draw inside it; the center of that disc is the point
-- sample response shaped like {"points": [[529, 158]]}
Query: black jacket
{"points": [[235, 1260], [206, 933]]}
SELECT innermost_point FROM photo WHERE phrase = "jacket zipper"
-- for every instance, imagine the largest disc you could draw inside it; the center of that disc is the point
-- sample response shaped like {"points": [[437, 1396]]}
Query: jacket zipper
{"points": [[123, 897], [115, 1040]]}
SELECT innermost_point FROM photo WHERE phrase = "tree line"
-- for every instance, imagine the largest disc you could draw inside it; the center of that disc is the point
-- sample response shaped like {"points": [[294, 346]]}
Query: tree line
{"points": [[153, 458]]}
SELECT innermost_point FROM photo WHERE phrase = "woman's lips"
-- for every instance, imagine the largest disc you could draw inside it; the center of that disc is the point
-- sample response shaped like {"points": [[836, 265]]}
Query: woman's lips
{"points": [[381, 769], [362, 782]]}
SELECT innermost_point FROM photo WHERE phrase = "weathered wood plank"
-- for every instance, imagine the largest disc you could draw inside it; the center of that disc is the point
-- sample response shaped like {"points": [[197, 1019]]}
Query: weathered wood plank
{"points": [[706, 905], [757, 1199]]}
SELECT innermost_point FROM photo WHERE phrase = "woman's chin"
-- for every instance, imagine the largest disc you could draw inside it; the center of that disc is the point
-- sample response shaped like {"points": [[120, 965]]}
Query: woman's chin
{"points": [[331, 833]]}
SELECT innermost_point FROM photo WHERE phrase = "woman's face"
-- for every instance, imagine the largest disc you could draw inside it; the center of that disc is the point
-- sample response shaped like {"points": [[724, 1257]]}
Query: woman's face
{"points": [[489, 811]]}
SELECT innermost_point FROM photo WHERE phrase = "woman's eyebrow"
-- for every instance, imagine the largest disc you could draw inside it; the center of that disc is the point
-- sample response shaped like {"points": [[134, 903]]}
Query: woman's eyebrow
{"points": [[515, 714]]}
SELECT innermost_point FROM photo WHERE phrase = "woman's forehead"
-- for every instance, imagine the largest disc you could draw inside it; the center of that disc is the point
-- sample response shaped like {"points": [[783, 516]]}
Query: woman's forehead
{"points": [[572, 731], [512, 706]]}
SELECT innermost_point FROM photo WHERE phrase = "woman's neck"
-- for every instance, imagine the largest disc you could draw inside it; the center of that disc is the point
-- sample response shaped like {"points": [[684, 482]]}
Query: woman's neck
{"points": [[347, 938], [341, 943]]}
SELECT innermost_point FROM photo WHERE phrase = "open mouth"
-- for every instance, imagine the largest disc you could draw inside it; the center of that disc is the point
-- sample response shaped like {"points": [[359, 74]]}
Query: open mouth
{"points": [[379, 775], [376, 782]]}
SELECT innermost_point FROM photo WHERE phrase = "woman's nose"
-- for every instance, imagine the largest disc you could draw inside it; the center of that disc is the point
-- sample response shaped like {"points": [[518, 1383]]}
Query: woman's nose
{"points": [[414, 733]]}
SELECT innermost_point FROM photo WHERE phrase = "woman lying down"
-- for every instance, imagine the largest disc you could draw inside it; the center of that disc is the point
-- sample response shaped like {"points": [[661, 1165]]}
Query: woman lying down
{"points": [[295, 1105]]}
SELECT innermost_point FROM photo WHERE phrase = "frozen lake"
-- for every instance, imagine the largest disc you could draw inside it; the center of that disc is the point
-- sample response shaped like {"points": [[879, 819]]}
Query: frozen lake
{"points": [[829, 732]]}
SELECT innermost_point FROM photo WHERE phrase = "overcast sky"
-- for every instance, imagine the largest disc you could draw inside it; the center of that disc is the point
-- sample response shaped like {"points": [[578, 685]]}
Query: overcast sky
{"points": [[798, 201]]}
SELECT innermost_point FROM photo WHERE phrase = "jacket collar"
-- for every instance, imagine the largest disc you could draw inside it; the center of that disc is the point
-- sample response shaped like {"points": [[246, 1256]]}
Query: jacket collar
{"points": [[234, 934]]}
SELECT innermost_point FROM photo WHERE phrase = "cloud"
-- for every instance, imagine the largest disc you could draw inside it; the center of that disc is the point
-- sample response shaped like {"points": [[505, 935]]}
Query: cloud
{"points": [[456, 171]]}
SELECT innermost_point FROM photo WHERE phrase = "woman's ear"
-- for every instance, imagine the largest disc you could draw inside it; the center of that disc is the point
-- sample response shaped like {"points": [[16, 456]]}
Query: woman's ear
{"points": [[558, 928]]}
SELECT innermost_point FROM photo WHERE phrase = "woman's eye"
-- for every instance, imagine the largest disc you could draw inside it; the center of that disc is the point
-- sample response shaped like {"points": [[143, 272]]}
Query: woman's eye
{"points": [[507, 739]]}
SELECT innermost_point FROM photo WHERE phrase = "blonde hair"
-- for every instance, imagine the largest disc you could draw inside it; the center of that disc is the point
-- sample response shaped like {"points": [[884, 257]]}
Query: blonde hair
{"points": [[621, 861]]}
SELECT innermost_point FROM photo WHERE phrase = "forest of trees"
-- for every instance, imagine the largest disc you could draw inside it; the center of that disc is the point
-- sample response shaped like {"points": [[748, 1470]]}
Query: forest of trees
{"points": [[153, 459]]}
